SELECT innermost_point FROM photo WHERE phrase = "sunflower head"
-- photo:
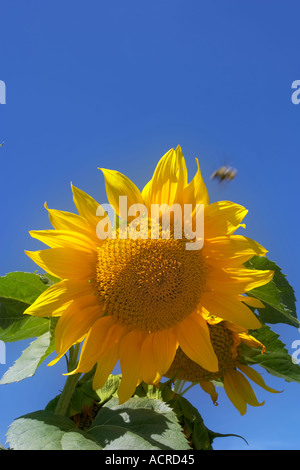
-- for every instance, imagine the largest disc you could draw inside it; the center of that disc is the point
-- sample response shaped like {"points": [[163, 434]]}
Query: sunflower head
{"points": [[140, 293], [226, 339]]}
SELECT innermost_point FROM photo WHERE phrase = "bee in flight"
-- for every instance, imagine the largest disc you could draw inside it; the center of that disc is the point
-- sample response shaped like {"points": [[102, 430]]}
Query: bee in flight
{"points": [[224, 173]]}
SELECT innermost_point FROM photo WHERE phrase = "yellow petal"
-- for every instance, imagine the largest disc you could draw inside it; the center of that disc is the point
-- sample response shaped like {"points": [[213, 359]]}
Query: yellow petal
{"points": [[195, 192], [231, 251], [238, 280], [56, 296], [253, 375], [223, 218], [64, 238], [74, 324], [165, 345], [239, 391], [117, 185], [252, 302], [87, 207], [100, 338], [251, 341], [65, 263], [157, 354], [230, 308], [194, 339], [168, 181], [146, 194], [62, 220], [105, 367], [149, 372], [129, 353], [209, 388], [231, 386]]}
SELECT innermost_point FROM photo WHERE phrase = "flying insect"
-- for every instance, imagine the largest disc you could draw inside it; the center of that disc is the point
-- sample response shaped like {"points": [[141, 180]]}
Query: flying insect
{"points": [[224, 173]]}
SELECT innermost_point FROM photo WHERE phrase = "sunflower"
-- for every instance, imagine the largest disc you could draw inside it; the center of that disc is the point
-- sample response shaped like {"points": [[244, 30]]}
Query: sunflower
{"points": [[137, 299], [226, 339]]}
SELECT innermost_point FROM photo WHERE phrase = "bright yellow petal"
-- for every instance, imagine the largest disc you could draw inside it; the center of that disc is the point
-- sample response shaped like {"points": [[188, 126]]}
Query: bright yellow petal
{"points": [[146, 193], [149, 373], [62, 220], [238, 280], [230, 308], [98, 342], [64, 238], [157, 354], [194, 339], [66, 263], [105, 367], [87, 207], [231, 251], [253, 375], [251, 341], [168, 181], [195, 192], [165, 345], [117, 185], [222, 218], [129, 353], [74, 324], [56, 296]]}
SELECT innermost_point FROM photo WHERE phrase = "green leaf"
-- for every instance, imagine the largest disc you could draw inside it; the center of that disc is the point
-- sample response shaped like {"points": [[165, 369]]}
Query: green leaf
{"points": [[43, 430], [277, 296], [138, 424], [276, 359], [198, 435], [78, 440], [83, 397], [18, 290], [27, 364]]}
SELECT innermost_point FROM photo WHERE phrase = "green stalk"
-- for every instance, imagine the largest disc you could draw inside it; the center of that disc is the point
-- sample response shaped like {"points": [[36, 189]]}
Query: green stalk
{"points": [[66, 394], [71, 382], [178, 386]]}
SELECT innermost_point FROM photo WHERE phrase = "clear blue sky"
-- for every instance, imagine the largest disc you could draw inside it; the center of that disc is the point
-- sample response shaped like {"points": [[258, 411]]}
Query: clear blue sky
{"points": [[116, 84]]}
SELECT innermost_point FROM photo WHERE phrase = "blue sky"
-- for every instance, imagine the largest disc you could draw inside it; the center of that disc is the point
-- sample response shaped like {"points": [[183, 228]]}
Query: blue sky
{"points": [[116, 84]]}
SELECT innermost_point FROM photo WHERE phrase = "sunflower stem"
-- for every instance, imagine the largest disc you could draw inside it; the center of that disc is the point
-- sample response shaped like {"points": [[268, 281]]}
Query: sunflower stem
{"points": [[178, 386], [66, 394], [71, 382]]}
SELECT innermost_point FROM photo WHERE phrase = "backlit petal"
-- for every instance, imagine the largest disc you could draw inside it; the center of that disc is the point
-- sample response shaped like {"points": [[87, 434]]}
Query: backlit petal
{"points": [[231, 309], [231, 251], [87, 207], [194, 339], [129, 353], [65, 263], [56, 296], [222, 218], [168, 181], [117, 185], [195, 192]]}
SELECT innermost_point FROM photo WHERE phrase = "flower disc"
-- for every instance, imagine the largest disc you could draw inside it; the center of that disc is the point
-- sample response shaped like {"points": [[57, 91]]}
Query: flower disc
{"points": [[149, 284]]}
